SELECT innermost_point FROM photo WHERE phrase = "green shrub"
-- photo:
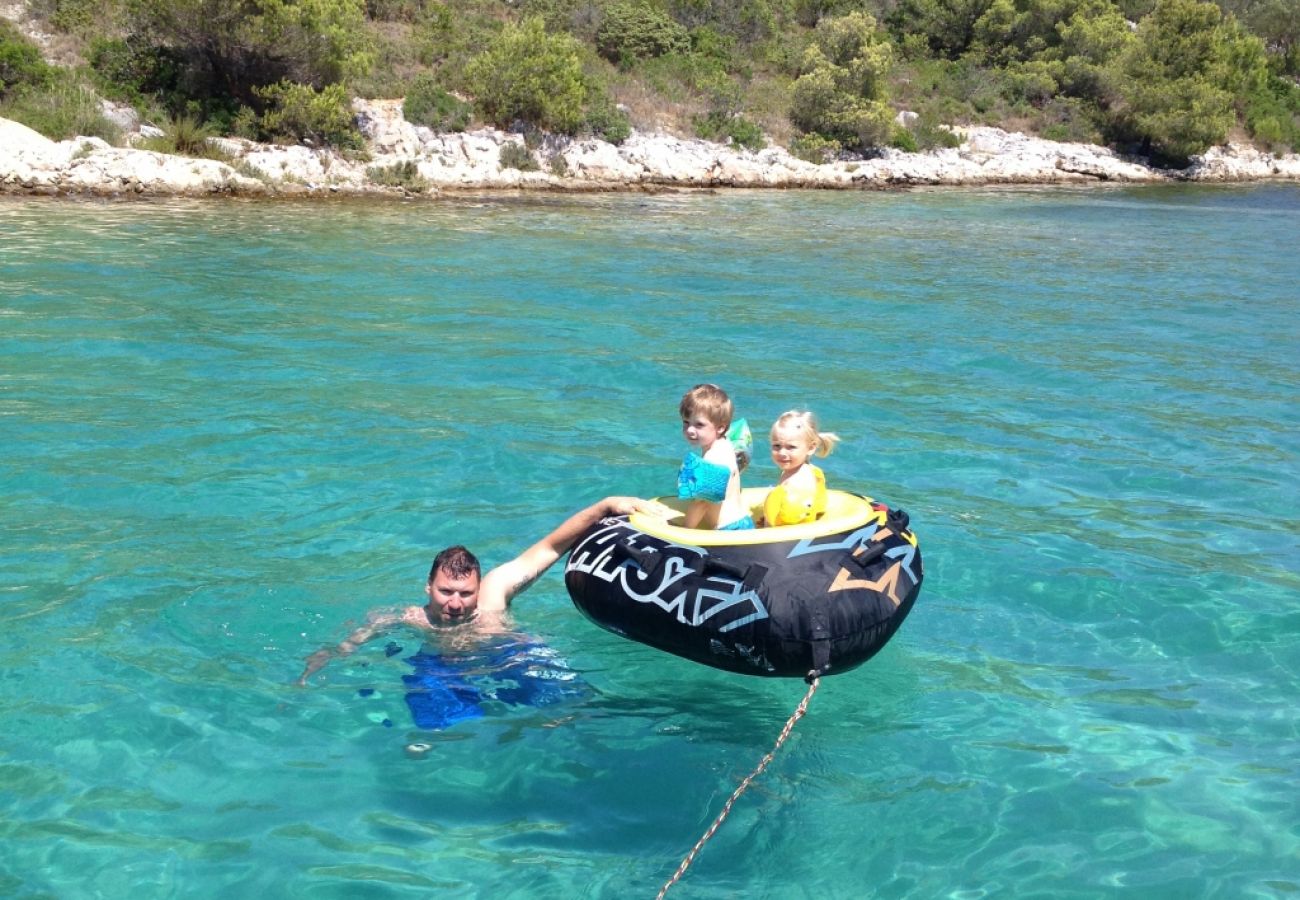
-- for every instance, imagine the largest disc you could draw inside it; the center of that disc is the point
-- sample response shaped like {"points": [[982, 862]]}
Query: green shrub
{"points": [[948, 26], [405, 175], [516, 156], [814, 148], [748, 21], [841, 93], [631, 30], [62, 110], [72, 16], [721, 93], [435, 38], [734, 129], [246, 123], [1272, 114], [746, 133], [1277, 23], [426, 103], [20, 61], [184, 136], [574, 16], [558, 165], [708, 42], [1031, 83], [903, 139], [529, 75], [299, 112], [606, 121], [132, 72], [678, 76], [395, 10], [1090, 41], [1071, 120], [931, 131]]}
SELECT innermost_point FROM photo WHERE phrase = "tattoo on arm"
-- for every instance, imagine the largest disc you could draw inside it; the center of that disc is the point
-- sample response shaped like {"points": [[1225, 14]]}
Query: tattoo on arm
{"points": [[524, 583]]}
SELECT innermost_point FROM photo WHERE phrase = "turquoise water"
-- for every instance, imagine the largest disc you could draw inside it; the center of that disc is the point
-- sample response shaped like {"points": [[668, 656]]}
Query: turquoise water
{"points": [[227, 430]]}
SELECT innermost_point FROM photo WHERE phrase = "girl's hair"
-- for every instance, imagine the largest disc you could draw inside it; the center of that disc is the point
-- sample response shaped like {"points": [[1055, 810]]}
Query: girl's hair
{"points": [[710, 401], [822, 442]]}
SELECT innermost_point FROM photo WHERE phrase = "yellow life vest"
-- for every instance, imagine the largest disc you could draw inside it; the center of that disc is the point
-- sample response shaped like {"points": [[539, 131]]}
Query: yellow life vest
{"points": [[786, 506]]}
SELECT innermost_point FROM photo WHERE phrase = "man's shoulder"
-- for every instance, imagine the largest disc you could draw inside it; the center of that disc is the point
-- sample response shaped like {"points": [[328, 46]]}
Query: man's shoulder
{"points": [[409, 615], [496, 587]]}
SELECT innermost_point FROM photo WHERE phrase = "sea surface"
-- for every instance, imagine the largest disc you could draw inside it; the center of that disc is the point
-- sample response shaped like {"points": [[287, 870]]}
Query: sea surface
{"points": [[228, 430]]}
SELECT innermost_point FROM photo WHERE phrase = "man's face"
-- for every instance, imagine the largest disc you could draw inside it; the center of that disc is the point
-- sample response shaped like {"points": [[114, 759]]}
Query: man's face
{"points": [[452, 599]]}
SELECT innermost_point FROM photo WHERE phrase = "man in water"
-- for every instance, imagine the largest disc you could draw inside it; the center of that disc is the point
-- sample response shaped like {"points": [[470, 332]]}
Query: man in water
{"points": [[457, 595]]}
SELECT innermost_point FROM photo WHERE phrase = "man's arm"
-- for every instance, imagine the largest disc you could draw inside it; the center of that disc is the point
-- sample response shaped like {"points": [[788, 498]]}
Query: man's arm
{"points": [[347, 646], [508, 580]]}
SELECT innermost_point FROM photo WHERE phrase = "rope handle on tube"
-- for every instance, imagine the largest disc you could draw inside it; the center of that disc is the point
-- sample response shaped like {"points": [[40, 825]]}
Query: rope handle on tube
{"points": [[869, 556], [750, 577], [647, 559], [651, 560]]}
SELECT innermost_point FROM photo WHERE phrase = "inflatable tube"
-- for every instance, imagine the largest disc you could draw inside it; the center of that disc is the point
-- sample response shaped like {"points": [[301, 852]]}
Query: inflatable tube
{"points": [[798, 600]]}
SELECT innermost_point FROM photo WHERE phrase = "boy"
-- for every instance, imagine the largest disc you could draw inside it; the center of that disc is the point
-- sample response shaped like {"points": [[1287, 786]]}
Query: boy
{"points": [[709, 476]]}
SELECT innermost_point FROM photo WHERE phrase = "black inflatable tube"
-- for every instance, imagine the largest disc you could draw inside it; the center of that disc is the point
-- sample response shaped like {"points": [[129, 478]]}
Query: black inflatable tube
{"points": [[787, 603]]}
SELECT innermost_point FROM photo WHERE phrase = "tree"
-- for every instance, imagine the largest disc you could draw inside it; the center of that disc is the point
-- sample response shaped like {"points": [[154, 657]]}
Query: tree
{"points": [[230, 48], [947, 25], [1022, 30], [1178, 81], [1090, 40], [841, 92], [527, 74], [632, 31], [1277, 23]]}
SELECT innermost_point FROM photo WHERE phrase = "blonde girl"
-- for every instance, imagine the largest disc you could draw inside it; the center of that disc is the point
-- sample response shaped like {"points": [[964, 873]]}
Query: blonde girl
{"points": [[800, 493]]}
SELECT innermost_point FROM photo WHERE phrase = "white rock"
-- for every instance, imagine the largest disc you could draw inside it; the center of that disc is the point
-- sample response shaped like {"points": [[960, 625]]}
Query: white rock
{"points": [[123, 116], [31, 162], [18, 138], [386, 129], [1236, 162]]}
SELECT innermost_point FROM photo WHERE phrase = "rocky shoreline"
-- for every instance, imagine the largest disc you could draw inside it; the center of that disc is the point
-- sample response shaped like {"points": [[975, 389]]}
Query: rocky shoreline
{"points": [[432, 164]]}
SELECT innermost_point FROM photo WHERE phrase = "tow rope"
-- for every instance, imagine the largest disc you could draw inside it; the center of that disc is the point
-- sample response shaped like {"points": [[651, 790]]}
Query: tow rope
{"points": [[813, 681]]}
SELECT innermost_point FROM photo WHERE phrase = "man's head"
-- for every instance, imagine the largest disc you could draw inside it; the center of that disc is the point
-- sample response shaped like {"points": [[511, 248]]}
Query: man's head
{"points": [[453, 585]]}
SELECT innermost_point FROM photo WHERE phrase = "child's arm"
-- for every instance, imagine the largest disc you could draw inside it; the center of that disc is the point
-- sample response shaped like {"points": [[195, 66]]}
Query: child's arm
{"points": [[705, 482], [696, 512]]}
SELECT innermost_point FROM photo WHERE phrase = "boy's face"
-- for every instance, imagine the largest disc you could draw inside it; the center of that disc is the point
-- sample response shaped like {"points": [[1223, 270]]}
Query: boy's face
{"points": [[699, 431]]}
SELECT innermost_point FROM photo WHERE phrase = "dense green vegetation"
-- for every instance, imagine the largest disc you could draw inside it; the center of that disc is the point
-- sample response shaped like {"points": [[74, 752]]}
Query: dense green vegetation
{"points": [[1163, 78]]}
